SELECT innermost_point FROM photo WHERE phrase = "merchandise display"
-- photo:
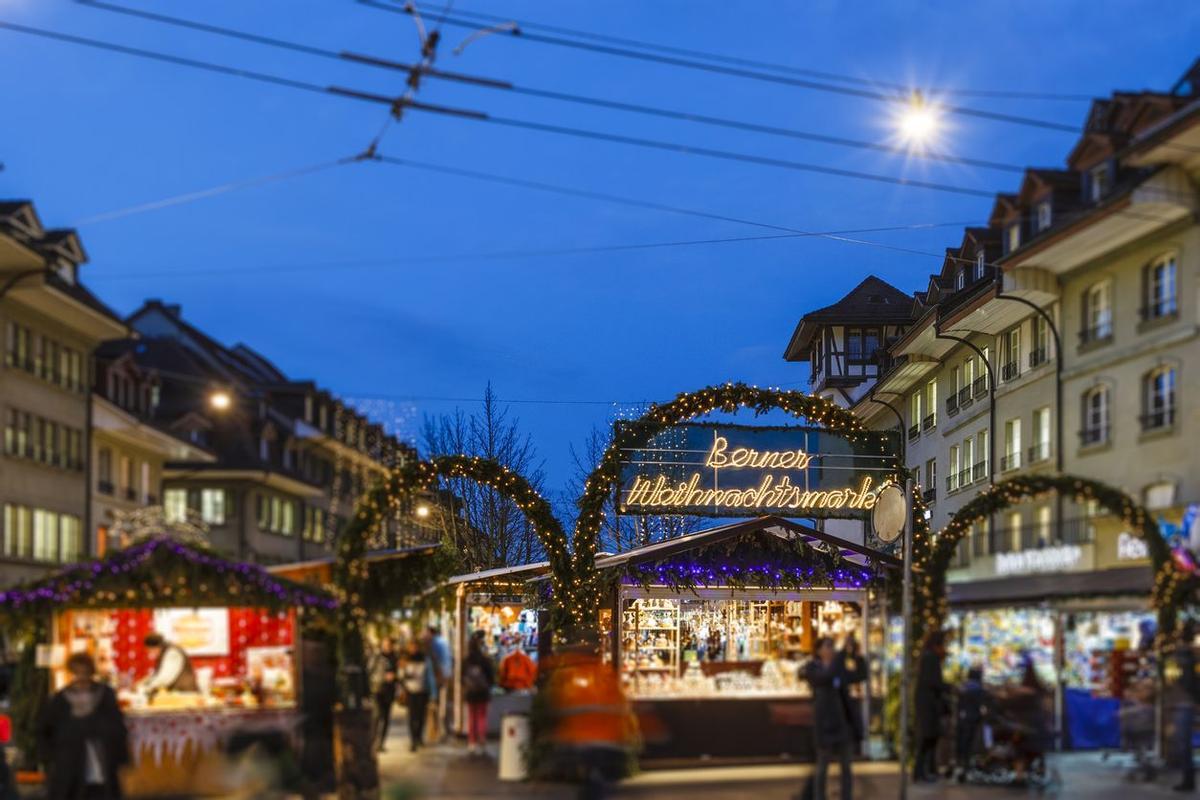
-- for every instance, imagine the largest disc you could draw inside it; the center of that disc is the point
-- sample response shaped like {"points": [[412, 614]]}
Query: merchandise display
{"points": [[1107, 652], [505, 627], [998, 640], [696, 648]]}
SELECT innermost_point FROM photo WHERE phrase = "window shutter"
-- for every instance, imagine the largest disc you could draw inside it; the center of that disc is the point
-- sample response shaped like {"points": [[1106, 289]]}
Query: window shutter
{"points": [[1085, 312], [1147, 301]]}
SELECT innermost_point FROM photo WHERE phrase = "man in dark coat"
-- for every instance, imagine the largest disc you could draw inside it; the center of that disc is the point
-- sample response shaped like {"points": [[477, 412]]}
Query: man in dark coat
{"points": [[82, 738], [834, 730], [932, 697], [973, 702]]}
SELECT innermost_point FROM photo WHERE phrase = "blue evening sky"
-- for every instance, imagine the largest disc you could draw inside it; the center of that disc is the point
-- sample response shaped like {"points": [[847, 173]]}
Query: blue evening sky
{"points": [[84, 132]]}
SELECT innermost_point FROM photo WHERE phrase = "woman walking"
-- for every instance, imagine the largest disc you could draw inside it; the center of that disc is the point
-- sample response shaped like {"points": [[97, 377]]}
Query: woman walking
{"points": [[932, 697], [478, 676], [83, 738], [414, 682]]}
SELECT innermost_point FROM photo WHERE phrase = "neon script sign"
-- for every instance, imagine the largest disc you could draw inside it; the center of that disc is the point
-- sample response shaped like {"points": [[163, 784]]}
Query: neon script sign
{"points": [[732, 471]]}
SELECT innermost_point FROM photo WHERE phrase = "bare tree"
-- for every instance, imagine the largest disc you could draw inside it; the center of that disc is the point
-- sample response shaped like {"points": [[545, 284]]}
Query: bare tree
{"points": [[490, 531], [620, 532]]}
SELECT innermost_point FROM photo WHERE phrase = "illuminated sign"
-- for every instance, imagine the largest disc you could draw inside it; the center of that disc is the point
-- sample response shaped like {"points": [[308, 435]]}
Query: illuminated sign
{"points": [[1131, 548], [715, 470], [1047, 559]]}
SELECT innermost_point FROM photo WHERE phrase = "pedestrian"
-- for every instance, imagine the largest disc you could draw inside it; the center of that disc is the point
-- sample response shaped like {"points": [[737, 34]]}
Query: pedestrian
{"points": [[438, 677], [414, 671], [973, 704], [932, 695], [478, 677], [386, 669], [82, 737], [518, 672], [833, 726], [1184, 656]]}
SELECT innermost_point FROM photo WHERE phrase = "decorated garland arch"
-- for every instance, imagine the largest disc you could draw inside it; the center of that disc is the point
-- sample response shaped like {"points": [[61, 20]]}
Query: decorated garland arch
{"points": [[581, 594], [363, 594], [932, 553]]}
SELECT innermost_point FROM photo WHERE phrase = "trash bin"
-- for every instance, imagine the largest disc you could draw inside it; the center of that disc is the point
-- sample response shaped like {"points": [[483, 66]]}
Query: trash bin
{"points": [[514, 738]]}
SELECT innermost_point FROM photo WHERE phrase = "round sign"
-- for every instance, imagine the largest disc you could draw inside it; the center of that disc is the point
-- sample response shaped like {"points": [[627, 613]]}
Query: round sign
{"points": [[888, 515]]}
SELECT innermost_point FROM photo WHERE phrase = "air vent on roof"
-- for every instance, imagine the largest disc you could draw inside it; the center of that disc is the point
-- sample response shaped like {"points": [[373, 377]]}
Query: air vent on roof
{"points": [[876, 299]]}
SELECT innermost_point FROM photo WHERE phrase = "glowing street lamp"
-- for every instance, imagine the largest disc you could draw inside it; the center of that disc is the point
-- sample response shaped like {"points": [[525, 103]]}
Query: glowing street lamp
{"points": [[220, 400], [422, 511]]}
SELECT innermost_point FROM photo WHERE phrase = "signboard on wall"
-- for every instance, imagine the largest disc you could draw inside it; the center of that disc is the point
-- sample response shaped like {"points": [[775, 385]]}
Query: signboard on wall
{"points": [[742, 471], [199, 631]]}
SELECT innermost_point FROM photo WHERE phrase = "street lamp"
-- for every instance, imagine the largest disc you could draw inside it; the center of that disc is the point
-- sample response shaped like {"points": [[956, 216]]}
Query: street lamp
{"points": [[422, 511], [220, 400]]}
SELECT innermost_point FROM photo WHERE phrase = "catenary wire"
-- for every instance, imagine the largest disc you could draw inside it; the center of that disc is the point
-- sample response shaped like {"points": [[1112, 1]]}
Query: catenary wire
{"points": [[737, 72], [750, 62], [548, 94]]}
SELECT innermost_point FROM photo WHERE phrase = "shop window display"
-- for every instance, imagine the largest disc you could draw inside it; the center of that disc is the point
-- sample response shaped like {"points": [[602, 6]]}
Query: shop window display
{"points": [[505, 627]]}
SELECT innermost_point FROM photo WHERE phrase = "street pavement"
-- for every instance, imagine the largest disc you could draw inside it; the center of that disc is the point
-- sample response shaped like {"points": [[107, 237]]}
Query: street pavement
{"points": [[447, 771]]}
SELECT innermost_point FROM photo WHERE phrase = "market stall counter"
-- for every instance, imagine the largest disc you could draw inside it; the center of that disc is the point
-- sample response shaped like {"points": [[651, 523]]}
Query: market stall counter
{"points": [[201, 651], [709, 632]]}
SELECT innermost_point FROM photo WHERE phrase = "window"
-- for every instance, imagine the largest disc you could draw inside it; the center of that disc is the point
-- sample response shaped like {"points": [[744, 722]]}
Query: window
{"points": [[1095, 416], [1097, 312], [980, 263], [871, 344], [45, 535], [18, 531], [968, 372], [968, 459], [1159, 495], [30, 436], [1044, 215], [981, 456], [175, 505], [854, 350], [1159, 293], [1100, 179], [287, 522], [1040, 449], [1040, 351], [126, 474], [212, 506], [1010, 354], [914, 412], [960, 279], [1012, 236], [930, 403], [981, 371], [1044, 527], [1014, 531], [1158, 399], [981, 534], [1012, 445], [72, 538], [931, 474], [955, 466], [104, 470]]}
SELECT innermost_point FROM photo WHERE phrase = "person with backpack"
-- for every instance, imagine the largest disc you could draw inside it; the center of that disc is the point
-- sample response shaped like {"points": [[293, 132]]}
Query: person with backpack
{"points": [[413, 675], [478, 676]]}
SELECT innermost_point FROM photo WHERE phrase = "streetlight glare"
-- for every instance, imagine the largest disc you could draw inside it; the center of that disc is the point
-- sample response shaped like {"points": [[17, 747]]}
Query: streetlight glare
{"points": [[220, 400], [422, 511], [918, 122]]}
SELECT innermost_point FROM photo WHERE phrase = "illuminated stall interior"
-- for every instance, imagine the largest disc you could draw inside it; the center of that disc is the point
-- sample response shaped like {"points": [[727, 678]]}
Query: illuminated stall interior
{"points": [[702, 640]]}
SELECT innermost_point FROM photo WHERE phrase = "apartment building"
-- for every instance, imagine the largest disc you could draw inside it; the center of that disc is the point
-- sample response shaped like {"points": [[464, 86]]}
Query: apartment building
{"points": [[1062, 337], [288, 459], [51, 324]]}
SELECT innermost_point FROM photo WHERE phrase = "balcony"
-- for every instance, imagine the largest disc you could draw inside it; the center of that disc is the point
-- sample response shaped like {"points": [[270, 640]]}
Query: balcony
{"points": [[965, 398], [964, 477], [1096, 335], [1010, 371], [1037, 536], [952, 482], [1037, 357], [1158, 420], [980, 386], [929, 423], [1093, 436], [104, 487], [1076, 531], [951, 405], [1010, 462], [979, 471], [914, 432], [1039, 452], [1166, 308], [929, 496]]}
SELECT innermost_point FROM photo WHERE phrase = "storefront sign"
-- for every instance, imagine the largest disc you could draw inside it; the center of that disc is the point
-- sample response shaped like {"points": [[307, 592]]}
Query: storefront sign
{"points": [[199, 631], [730, 470], [1048, 559], [1131, 548]]}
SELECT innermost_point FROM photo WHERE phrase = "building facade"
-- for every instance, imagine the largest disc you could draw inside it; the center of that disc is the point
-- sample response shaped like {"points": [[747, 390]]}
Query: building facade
{"points": [[1062, 337], [50, 324]]}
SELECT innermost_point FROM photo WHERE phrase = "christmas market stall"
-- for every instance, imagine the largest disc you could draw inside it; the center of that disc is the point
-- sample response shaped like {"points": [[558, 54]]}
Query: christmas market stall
{"points": [[199, 649], [709, 631], [496, 603]]}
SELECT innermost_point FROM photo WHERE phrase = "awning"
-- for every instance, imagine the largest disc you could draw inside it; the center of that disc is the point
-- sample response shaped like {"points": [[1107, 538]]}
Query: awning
{"points": [[1053, 588], [321, 569], [519, 572]]}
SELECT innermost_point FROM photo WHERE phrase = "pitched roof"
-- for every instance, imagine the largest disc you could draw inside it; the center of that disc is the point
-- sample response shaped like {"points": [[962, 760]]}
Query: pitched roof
{"points": [[874, 300]]}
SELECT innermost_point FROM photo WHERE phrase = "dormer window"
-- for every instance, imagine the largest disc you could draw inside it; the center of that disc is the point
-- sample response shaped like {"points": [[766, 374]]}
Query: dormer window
{"points": [[980, 262], [1044, 215], [1013, 236], [960, 280], [1100, 179], [66, 271]]}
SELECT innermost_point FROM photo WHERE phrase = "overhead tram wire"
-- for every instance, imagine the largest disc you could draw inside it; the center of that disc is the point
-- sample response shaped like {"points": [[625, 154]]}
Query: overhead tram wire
{"points": [[495, 84], [491, 19], [737, 72]]}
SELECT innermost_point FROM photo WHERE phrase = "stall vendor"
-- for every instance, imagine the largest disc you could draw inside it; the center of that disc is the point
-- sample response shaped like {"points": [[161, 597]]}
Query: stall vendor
{"points": [[173, 670]]}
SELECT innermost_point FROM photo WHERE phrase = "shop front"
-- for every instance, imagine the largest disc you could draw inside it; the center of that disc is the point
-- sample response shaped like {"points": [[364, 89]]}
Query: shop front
{"points": [[199, 650], [712, 629]]}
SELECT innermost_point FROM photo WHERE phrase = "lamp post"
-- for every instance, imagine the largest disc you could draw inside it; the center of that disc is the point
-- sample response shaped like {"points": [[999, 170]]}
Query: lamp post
{"points": [[906, 656]]}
